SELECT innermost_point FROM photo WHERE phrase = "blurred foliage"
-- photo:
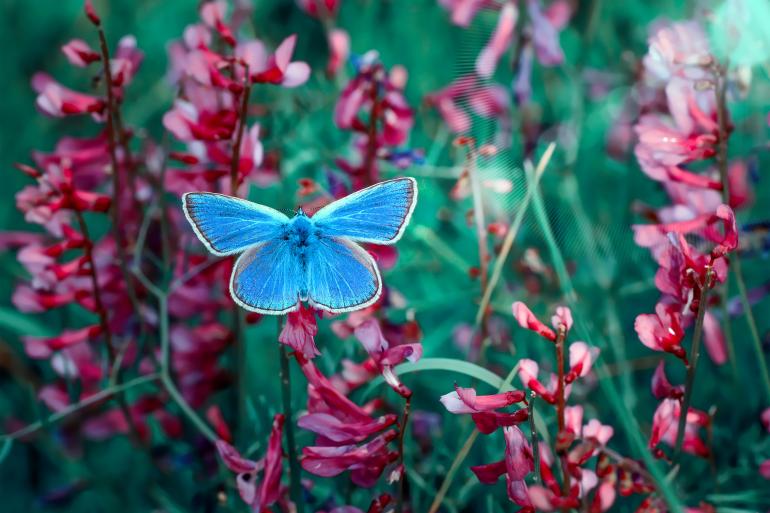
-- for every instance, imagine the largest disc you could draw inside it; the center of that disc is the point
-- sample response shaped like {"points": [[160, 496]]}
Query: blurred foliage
{"points": [[586, 194]]}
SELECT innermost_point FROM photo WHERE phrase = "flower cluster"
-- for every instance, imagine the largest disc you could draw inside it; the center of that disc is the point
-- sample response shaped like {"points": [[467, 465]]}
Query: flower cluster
{"points": [[373, 106], [537, 39], [210, 114], [576, 444], [684, 126]]}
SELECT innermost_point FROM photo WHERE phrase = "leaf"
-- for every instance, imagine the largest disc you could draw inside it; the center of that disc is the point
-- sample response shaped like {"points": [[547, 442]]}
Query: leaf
{"points": [[20, 324], [449, 365]]}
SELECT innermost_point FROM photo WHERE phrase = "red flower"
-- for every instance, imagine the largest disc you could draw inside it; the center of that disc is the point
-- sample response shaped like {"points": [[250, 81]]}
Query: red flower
{"points": [[259, 496], [56, 100], [299, 332], [662, 331]]}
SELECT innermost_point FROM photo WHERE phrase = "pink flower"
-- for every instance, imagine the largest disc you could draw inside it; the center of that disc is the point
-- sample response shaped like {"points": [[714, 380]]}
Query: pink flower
{"points": [[366, 462], [598, 432], [125, 63], [465, 400], [56, 100], [516, 465], [188, 123], [79, 53], [278, 68], [581, 358], [662, 331], [665, 427], [213, 13], [319, 8], [259, 496], [339, 50], [66, 338], [714, 339], [527, 320], [299, 332], [677, 49], [463, 11], [486, 63], [384, 355], [661, 387], [446, 102], [528, 372], [545, 34]]}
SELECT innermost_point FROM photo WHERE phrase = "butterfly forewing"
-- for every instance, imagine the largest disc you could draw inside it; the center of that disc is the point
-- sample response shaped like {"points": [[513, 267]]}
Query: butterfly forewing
{"points": [[341, 276], [228, 225], [268, 278], [378, 214]]}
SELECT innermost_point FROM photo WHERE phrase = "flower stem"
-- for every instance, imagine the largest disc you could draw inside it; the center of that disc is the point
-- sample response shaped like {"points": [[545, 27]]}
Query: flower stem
{"points": [[735, 261], [112, 145], [401, 434], [533, 435], [371, 130], [235, 163], [693, 363], [295, 476], [560, 402]]}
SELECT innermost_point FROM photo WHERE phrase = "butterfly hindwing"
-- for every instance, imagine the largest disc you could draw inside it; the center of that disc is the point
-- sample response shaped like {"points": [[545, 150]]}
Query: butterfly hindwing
{"points": [[228, 225], [341, 276], [268, 278], [378, 214]]}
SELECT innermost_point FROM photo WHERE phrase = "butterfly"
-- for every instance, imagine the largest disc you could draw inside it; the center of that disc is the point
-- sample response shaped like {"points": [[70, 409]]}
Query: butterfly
{"points": [[316, 259]]}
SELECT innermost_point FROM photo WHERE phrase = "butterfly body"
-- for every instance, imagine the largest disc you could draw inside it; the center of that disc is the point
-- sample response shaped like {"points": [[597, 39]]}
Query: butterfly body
{"points": [[315, 259]]}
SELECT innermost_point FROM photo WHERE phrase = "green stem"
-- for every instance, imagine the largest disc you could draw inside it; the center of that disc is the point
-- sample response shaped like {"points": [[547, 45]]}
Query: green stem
{"points": [[165, 374], [735, 261], [689, 384], [533, 435], [295, 476]]}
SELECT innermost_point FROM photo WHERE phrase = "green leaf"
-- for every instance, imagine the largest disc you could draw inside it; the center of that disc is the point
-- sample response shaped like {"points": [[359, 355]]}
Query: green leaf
{"points": [[21, 324]]}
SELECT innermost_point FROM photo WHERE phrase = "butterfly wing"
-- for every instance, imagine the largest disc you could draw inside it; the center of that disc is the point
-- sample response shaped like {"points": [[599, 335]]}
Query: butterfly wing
{"points": [[268, 278], [227, 225], [341, 276], [378, 214]]}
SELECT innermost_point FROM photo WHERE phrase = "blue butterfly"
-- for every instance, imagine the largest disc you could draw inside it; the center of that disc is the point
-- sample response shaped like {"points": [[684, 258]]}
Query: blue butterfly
{"points": [[314, 259]]}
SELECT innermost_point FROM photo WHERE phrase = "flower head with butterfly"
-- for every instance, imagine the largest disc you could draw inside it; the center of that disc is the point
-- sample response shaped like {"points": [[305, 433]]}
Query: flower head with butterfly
{"points": [[286, 261]]}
